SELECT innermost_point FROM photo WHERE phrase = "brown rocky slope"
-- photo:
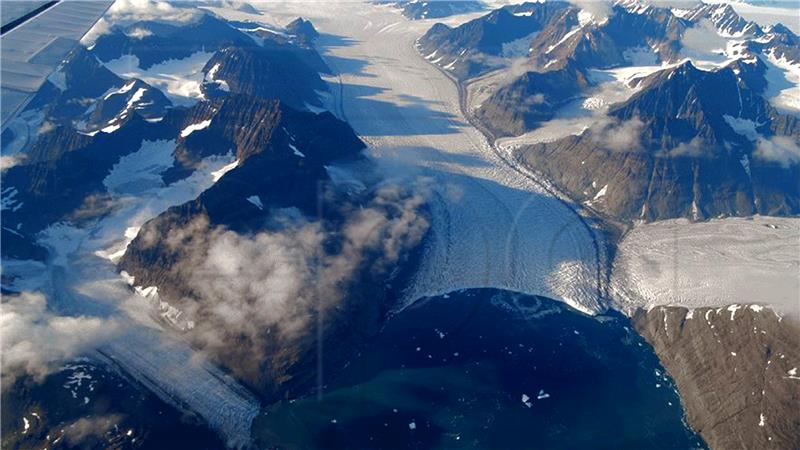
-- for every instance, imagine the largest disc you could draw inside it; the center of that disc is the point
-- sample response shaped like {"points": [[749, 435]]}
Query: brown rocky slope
{"points": [[736, 369]]}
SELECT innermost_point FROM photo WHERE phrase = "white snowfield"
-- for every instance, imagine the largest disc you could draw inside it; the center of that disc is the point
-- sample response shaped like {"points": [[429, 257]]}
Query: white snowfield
{"points": [[714, 263], [493, 225], [81, 279]]}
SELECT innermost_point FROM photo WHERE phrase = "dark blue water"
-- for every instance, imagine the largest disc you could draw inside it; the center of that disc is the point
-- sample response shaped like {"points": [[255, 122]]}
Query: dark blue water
{"points": [[491, 369]]}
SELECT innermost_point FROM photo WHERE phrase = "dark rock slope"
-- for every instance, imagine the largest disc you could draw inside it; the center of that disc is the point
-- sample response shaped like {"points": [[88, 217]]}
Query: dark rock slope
{"points": [[561, 56], [271, 71], [479, 45], [152, 42], [303, 30], [531, 99], [737, 370], [88, 405], [681, 147], [420, 9], [85, 95], [281, 173]]}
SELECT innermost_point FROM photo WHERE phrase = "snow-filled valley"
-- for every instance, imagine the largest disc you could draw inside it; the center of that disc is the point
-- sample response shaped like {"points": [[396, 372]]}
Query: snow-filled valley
{"points": [[709, 264], [493, 226], [81, 280]]}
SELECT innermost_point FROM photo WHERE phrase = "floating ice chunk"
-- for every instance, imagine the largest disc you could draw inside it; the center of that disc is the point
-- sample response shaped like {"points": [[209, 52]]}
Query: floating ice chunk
{"points": [[526, 400], [296, 151], [542, 395], [256, 200], [412, 425], [25, 424]]}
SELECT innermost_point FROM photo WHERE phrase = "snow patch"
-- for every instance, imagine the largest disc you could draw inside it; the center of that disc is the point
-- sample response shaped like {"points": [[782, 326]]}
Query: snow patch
{"points": [[601, 192], [666, 262], [563, 39], [783, 83], [195, 127], [179, 79], [217, 174], [745, 127]]}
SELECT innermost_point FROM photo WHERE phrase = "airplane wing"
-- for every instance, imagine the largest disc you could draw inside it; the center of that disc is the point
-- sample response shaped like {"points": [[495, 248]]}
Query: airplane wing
{"points": [[34, 44]]}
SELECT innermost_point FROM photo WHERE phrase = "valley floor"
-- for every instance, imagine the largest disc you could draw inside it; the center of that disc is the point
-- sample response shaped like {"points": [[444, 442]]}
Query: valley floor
{"points": [[493, 226], [709, 264]]}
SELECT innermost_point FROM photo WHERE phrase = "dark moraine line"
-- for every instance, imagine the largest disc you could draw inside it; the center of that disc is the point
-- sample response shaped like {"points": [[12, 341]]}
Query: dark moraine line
{"points": [[490, 137]]}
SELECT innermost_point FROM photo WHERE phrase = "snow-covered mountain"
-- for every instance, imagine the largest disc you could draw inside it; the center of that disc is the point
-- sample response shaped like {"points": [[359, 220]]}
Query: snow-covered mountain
{"points": [[420, 10], [643, 85], [152, 128]]}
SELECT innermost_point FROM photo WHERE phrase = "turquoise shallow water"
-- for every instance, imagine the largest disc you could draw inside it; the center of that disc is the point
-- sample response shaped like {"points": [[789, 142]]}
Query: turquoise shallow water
{"points": [[491, 369]]}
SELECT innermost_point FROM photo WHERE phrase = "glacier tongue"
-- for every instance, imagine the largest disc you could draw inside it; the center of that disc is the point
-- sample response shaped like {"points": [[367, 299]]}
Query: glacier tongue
{"points": [[81, 280], [494, 223], [171, 369]]}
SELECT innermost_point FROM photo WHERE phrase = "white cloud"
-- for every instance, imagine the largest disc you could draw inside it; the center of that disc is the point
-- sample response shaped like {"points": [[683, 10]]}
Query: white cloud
{"points": [[693, 148], [136, 10], [139, 33], [616, 135], [125, 12], [682, 4], [701, 43], [92, 427], [784, 150], [35, 340], [599, 9], [258, 294], [9, 161]]}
